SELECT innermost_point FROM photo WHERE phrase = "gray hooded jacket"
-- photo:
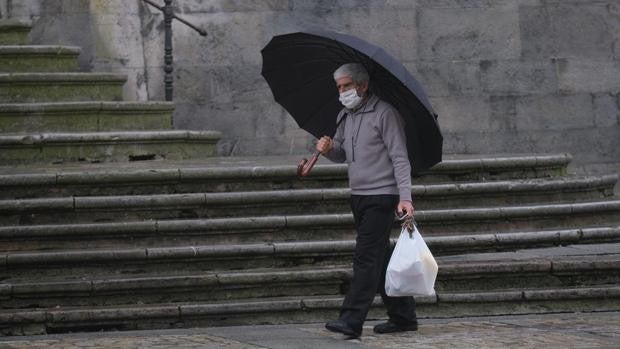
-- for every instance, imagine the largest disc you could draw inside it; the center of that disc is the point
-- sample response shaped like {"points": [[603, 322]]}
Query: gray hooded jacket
{"points": [[372, 141]]}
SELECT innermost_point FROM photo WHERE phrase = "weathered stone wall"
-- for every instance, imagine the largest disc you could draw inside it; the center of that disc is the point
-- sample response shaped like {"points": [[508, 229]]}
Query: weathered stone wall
{"points": [[505, 76]]}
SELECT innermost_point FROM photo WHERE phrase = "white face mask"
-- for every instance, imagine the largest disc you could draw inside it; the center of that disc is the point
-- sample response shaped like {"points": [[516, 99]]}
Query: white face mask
{"points": [[350, 99]]}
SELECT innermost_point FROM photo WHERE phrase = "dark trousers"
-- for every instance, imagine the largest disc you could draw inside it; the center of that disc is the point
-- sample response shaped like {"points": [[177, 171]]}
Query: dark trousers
{"points": [[374, 218]]}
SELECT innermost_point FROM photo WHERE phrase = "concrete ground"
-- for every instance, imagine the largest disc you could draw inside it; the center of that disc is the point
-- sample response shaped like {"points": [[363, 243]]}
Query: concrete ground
{"points": [[566, 331]]}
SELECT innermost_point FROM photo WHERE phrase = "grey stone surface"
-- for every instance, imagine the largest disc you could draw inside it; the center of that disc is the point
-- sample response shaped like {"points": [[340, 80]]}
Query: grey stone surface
{"points": [[468, 33], [490, 67], [277, 202]]}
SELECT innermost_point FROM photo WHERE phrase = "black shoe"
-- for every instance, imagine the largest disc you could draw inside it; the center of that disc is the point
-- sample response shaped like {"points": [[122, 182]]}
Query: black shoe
{"points": [[390, 327], [342, 327]]}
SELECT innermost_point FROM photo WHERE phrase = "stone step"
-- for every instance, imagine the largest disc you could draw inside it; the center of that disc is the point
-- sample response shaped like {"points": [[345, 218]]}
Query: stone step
{"points": [[85, 116], [487, 272], [298, 309], [107, 146], [63, 261], [225, 174], [305, 227], [22, 58], [84, 209], [60, 87], [14, 32]]}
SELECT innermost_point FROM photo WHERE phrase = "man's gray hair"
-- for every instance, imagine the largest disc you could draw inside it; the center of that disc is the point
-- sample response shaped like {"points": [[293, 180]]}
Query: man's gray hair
{"points": [[355, 71]]}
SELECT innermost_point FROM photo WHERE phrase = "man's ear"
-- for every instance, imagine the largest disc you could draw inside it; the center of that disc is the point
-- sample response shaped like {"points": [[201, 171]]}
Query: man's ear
{"points": [[364, 88]]}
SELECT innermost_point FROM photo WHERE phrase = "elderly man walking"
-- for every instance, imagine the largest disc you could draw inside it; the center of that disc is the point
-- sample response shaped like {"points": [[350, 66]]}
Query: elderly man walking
{"points": [[371, 139]]}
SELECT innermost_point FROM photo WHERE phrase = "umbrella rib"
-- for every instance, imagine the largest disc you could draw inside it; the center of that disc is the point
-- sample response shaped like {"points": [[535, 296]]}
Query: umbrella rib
{"points": [[292, 92]]}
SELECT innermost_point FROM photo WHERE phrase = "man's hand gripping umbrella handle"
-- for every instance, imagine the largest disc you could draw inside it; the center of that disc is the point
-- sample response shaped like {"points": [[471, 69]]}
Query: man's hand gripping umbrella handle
{"points": [[323, 146], [305, 165]]}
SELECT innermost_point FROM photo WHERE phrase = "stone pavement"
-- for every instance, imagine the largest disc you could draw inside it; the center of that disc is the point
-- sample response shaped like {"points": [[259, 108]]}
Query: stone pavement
{"points": [[579, 330]]}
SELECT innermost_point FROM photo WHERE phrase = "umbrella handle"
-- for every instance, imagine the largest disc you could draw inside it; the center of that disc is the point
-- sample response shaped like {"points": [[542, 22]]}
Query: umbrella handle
{"points": [[305, 165]]}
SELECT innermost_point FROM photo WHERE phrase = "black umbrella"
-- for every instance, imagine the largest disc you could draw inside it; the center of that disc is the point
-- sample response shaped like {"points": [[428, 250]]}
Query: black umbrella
{"points": [[299, 69]]}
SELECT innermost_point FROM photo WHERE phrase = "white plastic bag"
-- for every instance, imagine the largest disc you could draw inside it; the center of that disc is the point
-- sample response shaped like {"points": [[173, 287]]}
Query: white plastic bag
{"points": [[412, 269]]}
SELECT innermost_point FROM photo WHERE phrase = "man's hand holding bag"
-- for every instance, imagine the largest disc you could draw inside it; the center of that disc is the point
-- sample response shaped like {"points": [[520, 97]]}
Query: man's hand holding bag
{"points": [[412, 269]]}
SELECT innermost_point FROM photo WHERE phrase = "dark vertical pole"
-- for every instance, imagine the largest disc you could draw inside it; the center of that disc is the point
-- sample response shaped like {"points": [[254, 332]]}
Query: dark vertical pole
{"points": [[168, 79]]}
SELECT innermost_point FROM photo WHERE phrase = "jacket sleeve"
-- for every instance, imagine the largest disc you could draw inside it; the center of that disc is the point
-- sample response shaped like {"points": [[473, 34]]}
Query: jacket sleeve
{"points": [[393, 133], [337, 154]]}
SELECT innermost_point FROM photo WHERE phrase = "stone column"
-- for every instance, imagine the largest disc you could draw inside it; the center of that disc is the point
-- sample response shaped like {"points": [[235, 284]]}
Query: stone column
{"points": [[117, 42], [4, 12], [19, 9]]}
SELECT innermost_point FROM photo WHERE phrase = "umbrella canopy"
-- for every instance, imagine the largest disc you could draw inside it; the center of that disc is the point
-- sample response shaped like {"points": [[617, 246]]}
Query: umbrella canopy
{"points": [[299, 69]]}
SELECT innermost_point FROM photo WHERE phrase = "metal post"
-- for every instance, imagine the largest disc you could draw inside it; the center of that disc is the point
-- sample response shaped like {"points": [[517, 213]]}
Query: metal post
{"points": [[168, 79], [168, 17]]}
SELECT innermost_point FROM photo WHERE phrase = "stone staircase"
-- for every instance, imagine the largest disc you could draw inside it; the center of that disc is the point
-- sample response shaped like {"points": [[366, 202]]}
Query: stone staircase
{"points": [[242, 241], [52, 113], [220, 241]]}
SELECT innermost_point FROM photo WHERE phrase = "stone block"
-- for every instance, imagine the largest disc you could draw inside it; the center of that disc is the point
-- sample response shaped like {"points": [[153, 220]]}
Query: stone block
{"points": [[460, 215], [590, 145], [22, 317], [463, 113], [153, 283], [582, 29], [571, 236], [74, 257], [313, 247], [467, 242], [448, 78], [468, 33], [482, 297], [14, 37], [535, 28], [219, 6], [266, 145], [600, 233], [606, 110], [558, 294], [39, 288], [42, 204], [124, 146], [33, 179], [322, 303], [566, 30], [495, 267], [536, 211], [555, 112], [239, 308], [6, 290], [383, 26], [508, 239], [54, 59], [184, 252], [223, 224], [113, 8], [25, 9], [604, 206], [586, 265], [241, 251], [232, 121], [135, 201], [112, 176], [509, 77], [322, 220], [39, 87], [114, 313], [51, 122], [589, 76]]}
